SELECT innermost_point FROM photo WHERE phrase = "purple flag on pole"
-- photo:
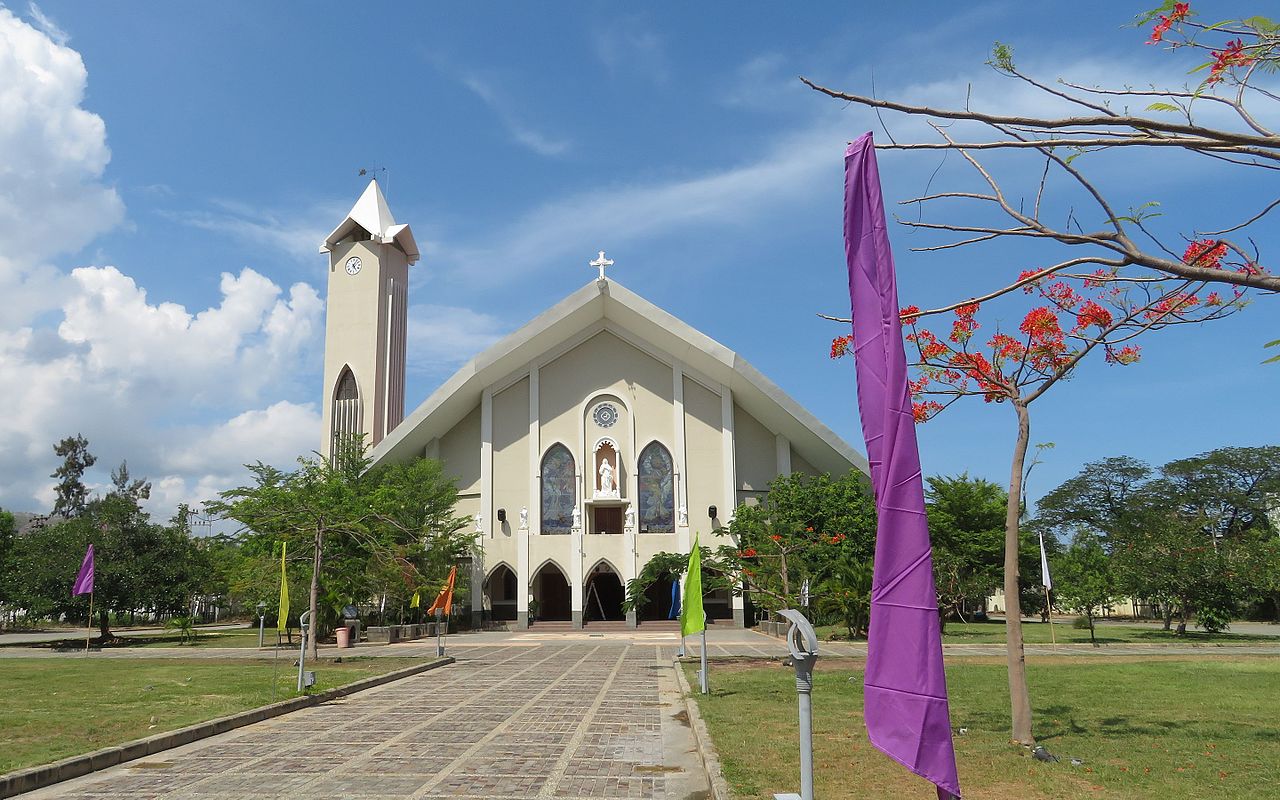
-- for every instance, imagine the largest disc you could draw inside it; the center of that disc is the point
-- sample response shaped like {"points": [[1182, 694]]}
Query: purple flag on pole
{"points": [[84, 580], [905, 689]]}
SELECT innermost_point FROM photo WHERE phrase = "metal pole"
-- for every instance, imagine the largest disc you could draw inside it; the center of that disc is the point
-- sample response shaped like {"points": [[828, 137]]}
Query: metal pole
{"points": [[302, 649], [702, 675], [804, 689], [439, 643], [681, 654], [262, 618]]}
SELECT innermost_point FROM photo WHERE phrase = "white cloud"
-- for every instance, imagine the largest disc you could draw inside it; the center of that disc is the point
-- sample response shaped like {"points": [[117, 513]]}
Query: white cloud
{"points": [[52, 156], [152, 382], [441, 338], [525, 134], [628, 43], [295, 235], [47, 26]]}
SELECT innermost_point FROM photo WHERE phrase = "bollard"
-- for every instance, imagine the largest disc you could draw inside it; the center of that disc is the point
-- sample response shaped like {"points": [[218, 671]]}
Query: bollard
{"points": [[802, 641], [302, 649], [262, 618]]}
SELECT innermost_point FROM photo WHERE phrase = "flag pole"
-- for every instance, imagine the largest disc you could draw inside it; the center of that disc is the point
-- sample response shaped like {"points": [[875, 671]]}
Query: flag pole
{"points": [[703, 673], [88, 629], [1048, 609]]}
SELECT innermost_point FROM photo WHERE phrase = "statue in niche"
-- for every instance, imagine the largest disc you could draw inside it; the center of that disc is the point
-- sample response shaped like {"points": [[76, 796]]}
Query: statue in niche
{"points": [[684, 517], [606, 477], [524, 518], [577, 518], [631, 518]]}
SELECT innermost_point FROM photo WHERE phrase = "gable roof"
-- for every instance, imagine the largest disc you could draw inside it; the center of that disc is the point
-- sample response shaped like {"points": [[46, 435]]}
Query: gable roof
{"points": [[606, 304], [372, 213]]}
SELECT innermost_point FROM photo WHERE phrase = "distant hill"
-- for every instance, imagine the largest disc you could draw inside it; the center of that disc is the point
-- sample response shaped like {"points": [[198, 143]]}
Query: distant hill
{"points": [[24, 520]]}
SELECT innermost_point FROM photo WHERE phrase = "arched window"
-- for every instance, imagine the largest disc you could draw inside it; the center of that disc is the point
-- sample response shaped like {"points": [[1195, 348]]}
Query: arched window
{"points": [[657, 490], [559, 490], [346, 418]]}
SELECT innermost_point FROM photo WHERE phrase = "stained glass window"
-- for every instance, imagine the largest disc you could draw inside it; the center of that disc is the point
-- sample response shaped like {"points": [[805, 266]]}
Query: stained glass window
{"points": [[657, 490], [559, 494]]}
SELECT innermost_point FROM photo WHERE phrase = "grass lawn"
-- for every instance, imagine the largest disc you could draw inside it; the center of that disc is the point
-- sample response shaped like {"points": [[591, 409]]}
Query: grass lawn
{"points": [[52, 708], [1164, 728], [1038, 633]]}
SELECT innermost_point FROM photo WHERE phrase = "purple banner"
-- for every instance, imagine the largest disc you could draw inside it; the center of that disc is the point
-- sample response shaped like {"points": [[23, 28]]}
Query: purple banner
{"points": [[84, 580], [905, 688]]}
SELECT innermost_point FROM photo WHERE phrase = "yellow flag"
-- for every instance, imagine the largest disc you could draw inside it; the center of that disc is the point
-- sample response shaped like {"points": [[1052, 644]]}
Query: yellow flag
{"points": [[282, 620], [415, 601]]}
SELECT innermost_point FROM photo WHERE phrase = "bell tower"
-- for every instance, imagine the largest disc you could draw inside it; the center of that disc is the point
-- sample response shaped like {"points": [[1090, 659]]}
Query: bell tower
{"points": [[365, 321]]}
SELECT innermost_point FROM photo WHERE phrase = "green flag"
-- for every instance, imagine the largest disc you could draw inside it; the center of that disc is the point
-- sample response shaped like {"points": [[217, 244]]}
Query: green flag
{"points": [[415, 602], [282, 620], [692, 619]]}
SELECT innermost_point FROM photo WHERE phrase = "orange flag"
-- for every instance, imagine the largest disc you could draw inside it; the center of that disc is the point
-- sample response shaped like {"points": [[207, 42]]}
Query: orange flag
{"points": [[444, 600]]}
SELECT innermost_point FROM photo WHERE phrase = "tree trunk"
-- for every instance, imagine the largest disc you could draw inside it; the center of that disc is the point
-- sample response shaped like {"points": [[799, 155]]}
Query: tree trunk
{"points": [[1092, 639], [1020, 698], [1168, 616], [312, 645], [104, 625]]}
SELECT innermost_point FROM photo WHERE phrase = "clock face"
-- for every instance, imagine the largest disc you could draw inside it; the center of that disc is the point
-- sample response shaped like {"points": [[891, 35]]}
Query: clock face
{"points": [[353, 265]]}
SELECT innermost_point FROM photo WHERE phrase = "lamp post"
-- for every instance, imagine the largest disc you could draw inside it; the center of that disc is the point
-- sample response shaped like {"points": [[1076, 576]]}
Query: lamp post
{"points": [[802, 641], [262, 616], [439, 643], [302, 649]]}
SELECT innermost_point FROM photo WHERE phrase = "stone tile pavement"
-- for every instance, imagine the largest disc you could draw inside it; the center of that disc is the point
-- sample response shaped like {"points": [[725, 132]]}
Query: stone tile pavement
{"points": [[578, 719]]}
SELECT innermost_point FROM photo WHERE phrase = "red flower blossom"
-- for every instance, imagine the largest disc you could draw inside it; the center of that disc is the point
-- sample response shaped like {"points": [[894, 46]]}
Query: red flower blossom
{"points": [[1125, 355], [1027, 273], [776, 537], [840, 345], [1205, 253], [1092, 314], [750, 552], [965, 324], [923, 411], [1180, 11], [908, 310], [1232, 55]]}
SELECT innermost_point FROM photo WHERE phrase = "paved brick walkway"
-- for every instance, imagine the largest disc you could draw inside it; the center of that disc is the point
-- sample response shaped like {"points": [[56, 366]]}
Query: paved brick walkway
{"points": [[529, 720]]}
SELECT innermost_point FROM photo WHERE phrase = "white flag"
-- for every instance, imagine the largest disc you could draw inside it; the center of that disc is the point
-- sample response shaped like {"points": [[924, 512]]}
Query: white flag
{"points": [[1045, 580]]}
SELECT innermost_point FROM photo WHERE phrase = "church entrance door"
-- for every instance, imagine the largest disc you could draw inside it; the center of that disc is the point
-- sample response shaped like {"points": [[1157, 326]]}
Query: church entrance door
{"points": [[659, 600], [603, 596], [552, 594]]}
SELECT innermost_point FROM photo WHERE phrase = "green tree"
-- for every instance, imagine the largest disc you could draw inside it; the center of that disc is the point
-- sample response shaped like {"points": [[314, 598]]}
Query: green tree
{"points": [[807, 531], [364, 530], [1084, 582], [1230, 489], [966, 525], [72, 495]]}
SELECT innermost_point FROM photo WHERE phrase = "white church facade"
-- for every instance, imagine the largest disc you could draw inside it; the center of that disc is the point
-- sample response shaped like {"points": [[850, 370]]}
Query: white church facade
{"points": [[602, 432]]}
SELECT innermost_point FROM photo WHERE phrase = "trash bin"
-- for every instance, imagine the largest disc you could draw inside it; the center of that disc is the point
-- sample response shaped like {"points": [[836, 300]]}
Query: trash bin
{"points": [[344, 636]]}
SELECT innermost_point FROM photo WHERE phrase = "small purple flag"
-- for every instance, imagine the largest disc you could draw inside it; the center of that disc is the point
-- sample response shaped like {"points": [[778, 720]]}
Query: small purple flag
{"points": [[84, 580], [905, 688]]}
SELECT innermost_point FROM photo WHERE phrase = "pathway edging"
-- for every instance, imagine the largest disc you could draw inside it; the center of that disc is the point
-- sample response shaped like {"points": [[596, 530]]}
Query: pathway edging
{"points": [[27, 780], [706, 749]]}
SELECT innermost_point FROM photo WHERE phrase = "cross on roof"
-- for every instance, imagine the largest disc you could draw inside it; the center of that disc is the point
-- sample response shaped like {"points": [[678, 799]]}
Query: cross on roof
{"points": [[601, 263]]}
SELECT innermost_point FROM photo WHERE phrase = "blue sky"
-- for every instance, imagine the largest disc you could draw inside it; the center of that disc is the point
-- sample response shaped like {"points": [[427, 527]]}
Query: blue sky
{"points": [[171, 170]]}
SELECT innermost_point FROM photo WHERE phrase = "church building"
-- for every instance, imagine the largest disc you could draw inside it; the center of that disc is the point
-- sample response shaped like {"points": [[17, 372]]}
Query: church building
{"points": [[600, 433]]}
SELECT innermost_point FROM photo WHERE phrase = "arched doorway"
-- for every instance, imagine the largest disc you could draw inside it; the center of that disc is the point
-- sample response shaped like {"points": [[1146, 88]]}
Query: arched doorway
{"points": [[500, 589], [602, 595], [551, 594], [659, 599]]}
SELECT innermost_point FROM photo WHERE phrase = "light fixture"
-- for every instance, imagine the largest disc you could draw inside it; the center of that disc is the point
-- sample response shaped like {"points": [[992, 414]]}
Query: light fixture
{"points": [[711, 512], [502, 515]]}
